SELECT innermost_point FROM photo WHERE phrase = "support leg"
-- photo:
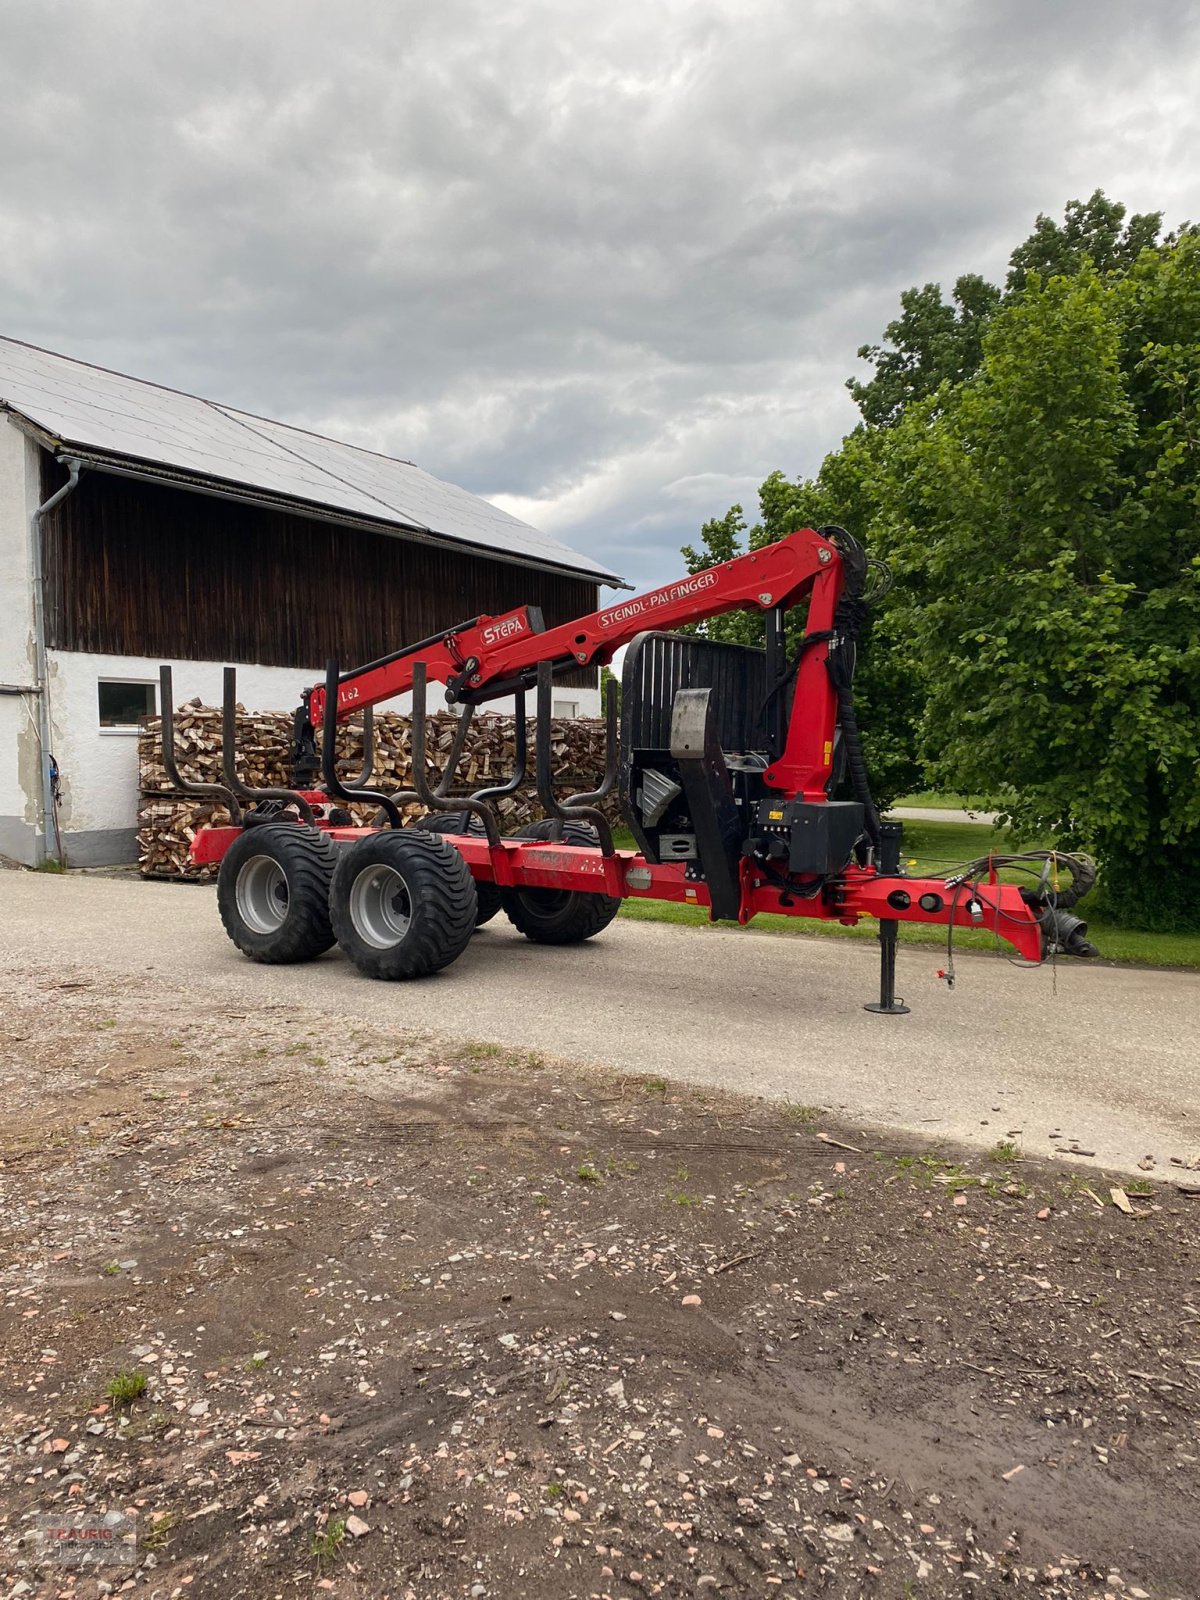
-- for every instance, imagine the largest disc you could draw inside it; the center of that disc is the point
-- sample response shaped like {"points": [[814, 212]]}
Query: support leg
{"points": [[891, 835], [887, 1005]]}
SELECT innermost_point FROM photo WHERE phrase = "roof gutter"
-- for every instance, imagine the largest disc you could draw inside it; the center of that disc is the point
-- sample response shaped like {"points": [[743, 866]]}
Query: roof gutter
{"points": [[41, 668]]}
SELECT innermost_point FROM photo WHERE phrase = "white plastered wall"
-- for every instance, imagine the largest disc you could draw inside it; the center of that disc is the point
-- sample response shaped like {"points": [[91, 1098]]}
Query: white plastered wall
{"points": [[20, 770]]}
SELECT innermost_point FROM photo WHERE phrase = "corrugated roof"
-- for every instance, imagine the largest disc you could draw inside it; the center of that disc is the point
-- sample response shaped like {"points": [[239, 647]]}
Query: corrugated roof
{"points": [[121, 420]]}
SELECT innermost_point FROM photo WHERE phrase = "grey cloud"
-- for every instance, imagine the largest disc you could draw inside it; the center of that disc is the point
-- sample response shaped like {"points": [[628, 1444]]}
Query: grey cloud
{"points": [[610, 264]]}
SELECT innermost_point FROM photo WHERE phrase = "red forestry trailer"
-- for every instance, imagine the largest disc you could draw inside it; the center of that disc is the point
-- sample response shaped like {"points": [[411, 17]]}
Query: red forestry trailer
{"points": [[729, 763]]}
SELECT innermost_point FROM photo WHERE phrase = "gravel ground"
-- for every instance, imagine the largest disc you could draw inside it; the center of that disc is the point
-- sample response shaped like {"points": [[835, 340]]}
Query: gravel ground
{"points": [[1096, 1059], [381, 1314]]}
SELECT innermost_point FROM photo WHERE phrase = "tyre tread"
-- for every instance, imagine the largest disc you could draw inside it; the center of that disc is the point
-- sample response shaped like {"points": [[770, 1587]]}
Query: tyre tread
{"points": [[442, 895], [309, 865], [586, 915], [487, 895]]}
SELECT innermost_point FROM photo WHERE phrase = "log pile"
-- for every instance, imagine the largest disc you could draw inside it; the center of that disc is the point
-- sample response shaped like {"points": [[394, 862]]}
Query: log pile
{"points": [[167, 822]]}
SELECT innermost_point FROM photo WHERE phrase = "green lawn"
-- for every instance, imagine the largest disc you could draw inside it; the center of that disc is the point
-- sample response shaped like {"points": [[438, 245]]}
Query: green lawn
{"points": [[943, 800], [935, 848]]}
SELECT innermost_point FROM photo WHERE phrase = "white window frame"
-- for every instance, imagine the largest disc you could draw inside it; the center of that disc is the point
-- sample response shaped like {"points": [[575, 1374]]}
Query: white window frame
{"points": [[129, 729]]}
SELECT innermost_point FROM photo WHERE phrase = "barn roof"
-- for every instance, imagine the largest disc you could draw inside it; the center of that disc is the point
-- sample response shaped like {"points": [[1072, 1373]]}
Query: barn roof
{"points": [[139, 429]]}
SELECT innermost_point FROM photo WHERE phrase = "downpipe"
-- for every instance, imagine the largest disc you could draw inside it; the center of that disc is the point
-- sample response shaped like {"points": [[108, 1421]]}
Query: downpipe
{"points": [[41, 665]]}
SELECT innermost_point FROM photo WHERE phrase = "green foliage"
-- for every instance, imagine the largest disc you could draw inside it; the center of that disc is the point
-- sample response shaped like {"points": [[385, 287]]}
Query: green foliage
{"points": [[1030, 468], [1093, 232], [1050, 531], [325, 1546], [609, 684], [932, 343], [123, 1388]]}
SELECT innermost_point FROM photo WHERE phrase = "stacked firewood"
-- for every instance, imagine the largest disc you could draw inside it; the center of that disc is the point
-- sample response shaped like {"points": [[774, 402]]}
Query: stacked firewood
{"points": [[167, 822]]}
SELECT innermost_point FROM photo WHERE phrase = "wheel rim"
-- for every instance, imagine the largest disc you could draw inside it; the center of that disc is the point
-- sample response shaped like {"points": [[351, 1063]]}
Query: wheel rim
{"points": [[262, 895], [380, 907]]}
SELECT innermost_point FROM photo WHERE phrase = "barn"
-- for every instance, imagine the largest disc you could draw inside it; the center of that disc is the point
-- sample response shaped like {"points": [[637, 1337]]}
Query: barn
{"points": [[140, 525]]}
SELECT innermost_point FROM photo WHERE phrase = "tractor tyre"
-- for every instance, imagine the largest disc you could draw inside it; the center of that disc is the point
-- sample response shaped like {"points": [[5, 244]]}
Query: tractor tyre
{"points": [[402, 903], [273, 892], [487, 895], [558, 916]]}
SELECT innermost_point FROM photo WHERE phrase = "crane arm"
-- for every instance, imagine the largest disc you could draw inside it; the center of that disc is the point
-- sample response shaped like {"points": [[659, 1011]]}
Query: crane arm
{"points": [[491, 656]]}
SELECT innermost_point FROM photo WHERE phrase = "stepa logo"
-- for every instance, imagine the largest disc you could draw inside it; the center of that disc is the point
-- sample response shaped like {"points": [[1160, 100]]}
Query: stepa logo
{"points": [[509, 628]]}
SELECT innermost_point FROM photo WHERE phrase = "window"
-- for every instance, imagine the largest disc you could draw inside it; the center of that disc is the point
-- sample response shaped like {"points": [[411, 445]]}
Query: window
{"points": [[564, 708], [123, 705]]}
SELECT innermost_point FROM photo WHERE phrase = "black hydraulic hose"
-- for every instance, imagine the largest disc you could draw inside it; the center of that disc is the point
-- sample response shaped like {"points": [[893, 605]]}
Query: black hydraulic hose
{"points": [[850, 621], [1083, 876], [855, 761]]}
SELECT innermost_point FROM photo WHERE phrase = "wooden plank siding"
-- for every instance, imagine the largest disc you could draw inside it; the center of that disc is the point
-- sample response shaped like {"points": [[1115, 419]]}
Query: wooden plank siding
{"points": [[144, 570]]}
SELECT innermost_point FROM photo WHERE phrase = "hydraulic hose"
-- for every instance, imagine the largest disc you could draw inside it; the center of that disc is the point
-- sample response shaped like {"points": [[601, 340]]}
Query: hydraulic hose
{"points": [[850, 621], [856, 763]]}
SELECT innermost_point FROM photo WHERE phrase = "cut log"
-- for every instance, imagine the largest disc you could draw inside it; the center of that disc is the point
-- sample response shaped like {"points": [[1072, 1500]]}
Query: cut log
{"points": [[166, 821]]}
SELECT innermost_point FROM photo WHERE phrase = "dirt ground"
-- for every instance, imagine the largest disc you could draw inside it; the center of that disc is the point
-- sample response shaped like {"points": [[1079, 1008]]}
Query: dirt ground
{"points": [[422, 1320]]}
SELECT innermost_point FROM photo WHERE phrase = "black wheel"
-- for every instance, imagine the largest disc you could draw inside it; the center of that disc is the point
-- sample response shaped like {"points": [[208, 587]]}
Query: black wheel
{"points": [[402, 903], [487, 896], [273, 892], [558, 916]]}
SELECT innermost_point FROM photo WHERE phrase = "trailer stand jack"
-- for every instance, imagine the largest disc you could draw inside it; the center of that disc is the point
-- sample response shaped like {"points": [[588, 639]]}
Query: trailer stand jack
{"points": [[890, 837]]}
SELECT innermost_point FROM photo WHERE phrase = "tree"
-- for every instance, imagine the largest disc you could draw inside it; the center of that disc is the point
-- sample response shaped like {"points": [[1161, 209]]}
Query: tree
{"points": [[1051, 512], [1093, 231], [1029, 466], [932, 343]]}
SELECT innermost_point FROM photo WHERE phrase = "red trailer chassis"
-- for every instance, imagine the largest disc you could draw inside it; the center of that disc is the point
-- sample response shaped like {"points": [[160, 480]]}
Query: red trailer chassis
{"points": [[860, 892]]}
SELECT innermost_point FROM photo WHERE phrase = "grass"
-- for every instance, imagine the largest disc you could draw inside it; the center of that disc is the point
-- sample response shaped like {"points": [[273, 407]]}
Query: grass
{"points": [[123, 1388], [804, 1115], [930, 849], [157, 1536], [479, 1052], [325, 1546], [943, 800]]}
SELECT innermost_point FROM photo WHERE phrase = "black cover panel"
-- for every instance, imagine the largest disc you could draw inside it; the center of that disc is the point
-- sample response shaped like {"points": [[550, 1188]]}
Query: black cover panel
{"points": [[657, 667], [657, 664]]}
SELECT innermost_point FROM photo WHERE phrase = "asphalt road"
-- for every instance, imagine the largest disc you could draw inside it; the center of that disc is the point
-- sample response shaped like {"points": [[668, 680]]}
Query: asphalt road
{"points": [[1107, 1056]]}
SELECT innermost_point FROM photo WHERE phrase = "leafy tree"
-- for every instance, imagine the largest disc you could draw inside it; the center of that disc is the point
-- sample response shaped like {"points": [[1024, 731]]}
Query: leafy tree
{"points": [[610, 683], [1093, 231], [1051, 515], [1029, 465], [932, 343]]}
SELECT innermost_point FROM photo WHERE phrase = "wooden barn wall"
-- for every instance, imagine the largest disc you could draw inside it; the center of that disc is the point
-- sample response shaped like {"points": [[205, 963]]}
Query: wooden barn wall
{"points": [[138, 569]]}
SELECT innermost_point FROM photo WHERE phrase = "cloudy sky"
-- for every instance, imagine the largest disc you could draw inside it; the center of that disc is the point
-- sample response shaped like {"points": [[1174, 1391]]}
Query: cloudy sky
{"points": [[606, 264]]}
